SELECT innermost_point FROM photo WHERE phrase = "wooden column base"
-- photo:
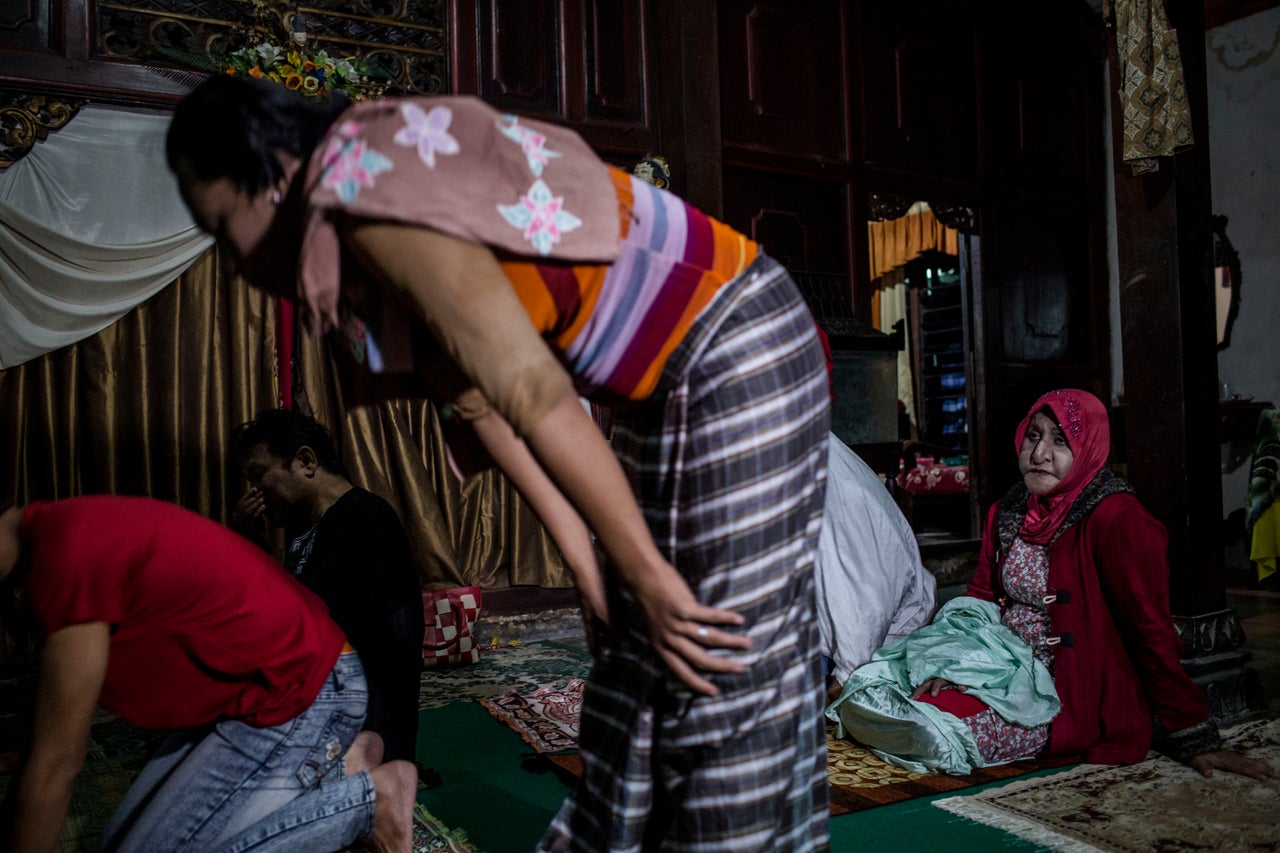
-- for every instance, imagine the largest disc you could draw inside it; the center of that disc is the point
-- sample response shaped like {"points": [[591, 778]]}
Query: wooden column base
{"points": [[1217, 663]]}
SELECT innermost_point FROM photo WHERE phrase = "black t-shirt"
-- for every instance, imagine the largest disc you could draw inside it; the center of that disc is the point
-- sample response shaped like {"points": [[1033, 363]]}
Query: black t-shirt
{"points": [[357, 559]]}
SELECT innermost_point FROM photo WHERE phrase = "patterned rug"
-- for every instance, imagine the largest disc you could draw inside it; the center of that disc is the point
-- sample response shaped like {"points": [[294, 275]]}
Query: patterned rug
{"points": [[117, 751], [511, 668], [1156, 806], [115, 755], [858, 779], [432, 836], [547, 718]]}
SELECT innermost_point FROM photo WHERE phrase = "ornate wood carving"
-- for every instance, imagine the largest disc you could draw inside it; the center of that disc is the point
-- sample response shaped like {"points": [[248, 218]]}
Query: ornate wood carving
{"points": [[917, 75], [785, 233], [1233, 695], [883, 207], [958, 216], [1217, 663], [519, 69], [28, 119], [616, 62], [1040, 106], [782, 79], [1209, 633], [802, 223], [24, 23], [406, 37], [1044, 314]]}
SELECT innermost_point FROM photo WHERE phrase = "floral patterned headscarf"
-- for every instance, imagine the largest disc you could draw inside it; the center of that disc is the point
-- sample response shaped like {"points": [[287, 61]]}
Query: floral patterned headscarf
{"points": [[1083, 420]]}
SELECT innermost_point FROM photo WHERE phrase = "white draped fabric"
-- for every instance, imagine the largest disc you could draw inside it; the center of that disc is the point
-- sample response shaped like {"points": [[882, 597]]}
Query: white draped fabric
{"points": [[872, 587], [893, 307], [91, 225]]}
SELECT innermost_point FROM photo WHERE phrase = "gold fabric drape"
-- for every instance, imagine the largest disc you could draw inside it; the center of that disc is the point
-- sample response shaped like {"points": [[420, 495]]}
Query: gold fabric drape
{"points": [[148, 407], [479, 532], [893, 243]]}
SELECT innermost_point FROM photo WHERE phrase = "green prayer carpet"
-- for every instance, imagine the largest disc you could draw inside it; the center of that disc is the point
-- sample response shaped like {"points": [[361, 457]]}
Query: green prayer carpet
{"points": [[496, 794], [493, 785], [496, 789]]}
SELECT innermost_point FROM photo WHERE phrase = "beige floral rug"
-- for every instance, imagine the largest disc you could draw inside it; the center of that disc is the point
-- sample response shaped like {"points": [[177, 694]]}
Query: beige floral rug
{"points": [[1157, 806]]}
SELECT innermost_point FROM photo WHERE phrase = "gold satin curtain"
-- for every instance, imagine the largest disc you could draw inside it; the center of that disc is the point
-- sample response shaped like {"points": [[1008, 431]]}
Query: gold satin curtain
{"points": [[147, 407], [894, 242]]}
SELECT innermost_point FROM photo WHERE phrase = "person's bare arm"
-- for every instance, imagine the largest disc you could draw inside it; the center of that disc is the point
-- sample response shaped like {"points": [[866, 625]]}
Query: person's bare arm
{"points": [[569, 444], [461, 293], [73, 665], [558, 515]]}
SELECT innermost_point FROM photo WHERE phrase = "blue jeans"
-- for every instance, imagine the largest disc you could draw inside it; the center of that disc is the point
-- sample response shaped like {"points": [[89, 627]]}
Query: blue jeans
{"points": [[234, 787]]}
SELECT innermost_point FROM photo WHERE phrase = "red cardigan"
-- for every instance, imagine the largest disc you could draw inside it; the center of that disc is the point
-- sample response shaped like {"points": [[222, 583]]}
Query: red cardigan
{"points": [[1123, 663]]}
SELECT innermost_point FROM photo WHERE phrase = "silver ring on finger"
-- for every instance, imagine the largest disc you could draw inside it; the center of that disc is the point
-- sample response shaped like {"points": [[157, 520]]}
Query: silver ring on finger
{"points": [[703, 632]]}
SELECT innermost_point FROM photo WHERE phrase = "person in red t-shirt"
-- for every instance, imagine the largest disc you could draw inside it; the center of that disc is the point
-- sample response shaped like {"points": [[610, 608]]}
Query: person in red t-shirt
{"points": [[174, 622]]}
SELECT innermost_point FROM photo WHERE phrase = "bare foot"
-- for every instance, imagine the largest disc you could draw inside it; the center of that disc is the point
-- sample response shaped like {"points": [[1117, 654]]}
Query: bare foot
{"points": [[365, 753], [394, 786]]}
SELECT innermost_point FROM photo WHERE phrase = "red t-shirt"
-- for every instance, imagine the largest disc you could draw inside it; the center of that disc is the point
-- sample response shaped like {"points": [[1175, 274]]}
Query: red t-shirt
{"points": [[205, 626]]}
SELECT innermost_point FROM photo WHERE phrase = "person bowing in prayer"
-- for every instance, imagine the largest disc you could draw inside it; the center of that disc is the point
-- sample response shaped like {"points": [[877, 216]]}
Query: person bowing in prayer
{"points": [[175, 623]]}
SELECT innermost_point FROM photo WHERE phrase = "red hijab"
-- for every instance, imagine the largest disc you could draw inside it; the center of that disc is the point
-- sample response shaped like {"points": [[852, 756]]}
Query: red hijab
{"points": [[1083, 420]]}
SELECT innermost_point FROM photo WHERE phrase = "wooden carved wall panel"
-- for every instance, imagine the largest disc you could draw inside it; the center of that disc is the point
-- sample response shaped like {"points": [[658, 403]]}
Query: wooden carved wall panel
{"points": [[156, 50], [803, 223], [406, 37], [25, 25], [1042, 273], [519, 58], [782, 79], [917, 87], [785, 233], [616, 62], [28, 119], [409, 37], [1042, 100], [162, 30]]}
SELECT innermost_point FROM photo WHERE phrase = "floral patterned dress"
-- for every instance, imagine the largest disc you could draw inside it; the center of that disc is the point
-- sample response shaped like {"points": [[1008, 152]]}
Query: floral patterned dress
{"points": [[1025, 575]]}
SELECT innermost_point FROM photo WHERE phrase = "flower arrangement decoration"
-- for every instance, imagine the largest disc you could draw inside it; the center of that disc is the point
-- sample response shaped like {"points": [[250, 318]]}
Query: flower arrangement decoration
{"points": [[271, 43], [312, 74]]}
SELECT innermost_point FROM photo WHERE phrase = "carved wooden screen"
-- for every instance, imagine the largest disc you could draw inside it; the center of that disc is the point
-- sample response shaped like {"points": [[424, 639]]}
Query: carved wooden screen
{"points": [[588, 64], [918, 99], [785, 153], [150, 50]]}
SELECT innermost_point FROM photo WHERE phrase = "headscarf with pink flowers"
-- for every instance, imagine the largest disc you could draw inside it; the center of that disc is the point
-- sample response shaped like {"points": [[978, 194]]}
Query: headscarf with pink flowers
{"points": [[1083, 419]]}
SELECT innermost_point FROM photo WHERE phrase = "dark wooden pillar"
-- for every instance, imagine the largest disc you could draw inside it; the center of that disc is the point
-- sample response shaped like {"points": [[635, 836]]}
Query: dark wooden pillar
{"points": [[1169, 346]]}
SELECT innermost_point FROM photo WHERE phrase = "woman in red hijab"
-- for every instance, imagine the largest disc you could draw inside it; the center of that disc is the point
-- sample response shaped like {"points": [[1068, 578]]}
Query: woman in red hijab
{"points": [[1078, 569]]}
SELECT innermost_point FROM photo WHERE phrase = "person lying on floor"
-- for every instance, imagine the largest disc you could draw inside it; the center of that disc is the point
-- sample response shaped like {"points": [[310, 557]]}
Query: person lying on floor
{"points": [[175, 623], [871, 585], [348, 546], [1063, 646]]}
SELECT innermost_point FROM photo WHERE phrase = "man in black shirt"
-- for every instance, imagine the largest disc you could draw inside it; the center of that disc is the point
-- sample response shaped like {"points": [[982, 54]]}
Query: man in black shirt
{"points": [[349, 547]]}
